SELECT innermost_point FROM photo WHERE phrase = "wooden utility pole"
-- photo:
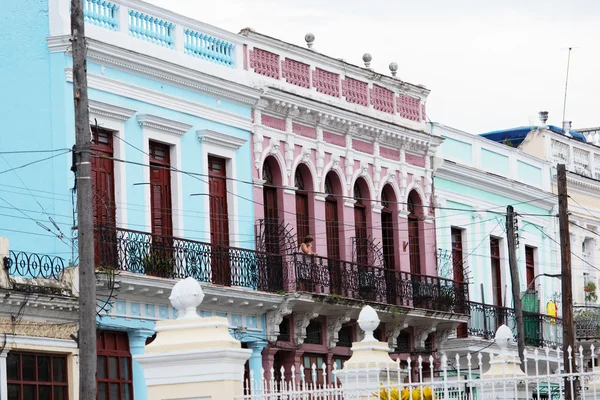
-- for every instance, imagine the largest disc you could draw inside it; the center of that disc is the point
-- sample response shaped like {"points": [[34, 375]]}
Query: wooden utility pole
{"points": [[514, 276], [567, 288], [85, 223]]}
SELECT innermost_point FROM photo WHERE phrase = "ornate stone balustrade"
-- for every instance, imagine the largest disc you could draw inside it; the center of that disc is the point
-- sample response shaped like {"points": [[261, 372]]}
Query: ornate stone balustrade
{"points": [[135, 32]]}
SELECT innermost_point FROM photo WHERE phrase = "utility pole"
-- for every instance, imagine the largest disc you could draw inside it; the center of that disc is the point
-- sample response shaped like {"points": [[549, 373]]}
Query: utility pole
{"points": [[567, 288], [514, 276], [85, 223]]}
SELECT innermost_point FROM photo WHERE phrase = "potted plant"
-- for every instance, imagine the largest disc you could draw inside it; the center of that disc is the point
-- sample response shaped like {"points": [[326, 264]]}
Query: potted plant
{"points": [[158, 264], [590, 292]]}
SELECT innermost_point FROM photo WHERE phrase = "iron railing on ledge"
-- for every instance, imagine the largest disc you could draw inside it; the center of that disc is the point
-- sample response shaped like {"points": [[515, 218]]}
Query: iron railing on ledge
{"points": [[171, 257], [540, 330], [587, 322], [322, 275], [33, 265]]}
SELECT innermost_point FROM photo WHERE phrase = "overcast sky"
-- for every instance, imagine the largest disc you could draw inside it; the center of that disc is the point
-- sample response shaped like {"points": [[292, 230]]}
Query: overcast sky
{"points": [[489, 64]]}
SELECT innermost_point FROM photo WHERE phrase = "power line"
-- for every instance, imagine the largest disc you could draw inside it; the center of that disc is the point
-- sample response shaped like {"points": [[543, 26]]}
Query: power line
{"points": [[34, 151], [33, 162]]}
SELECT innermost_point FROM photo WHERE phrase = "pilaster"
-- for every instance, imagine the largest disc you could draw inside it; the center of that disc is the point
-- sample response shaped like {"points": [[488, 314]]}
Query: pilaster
{"points": [[137, 343], [256, 360]]}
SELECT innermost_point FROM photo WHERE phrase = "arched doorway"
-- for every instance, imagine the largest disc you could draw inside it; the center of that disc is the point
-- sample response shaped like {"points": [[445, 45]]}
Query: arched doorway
{"points": [[389, 213], [415, 215], [389, 238], [361, 235], [333, 190], [271, 175], [304, 212]]}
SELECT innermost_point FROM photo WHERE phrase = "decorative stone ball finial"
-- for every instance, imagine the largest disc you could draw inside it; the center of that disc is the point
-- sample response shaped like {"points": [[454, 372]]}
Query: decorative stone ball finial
{"points": [[186, 296], [310, 40], [368, 321], [367, 60], [394, 68], [503, 337]]}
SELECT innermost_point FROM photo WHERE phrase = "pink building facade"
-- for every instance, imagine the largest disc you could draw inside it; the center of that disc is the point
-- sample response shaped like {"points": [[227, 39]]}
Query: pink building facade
{"points": [[345, 155]]}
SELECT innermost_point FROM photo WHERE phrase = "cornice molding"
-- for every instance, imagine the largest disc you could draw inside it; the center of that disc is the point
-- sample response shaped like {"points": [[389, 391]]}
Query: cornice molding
{"points": [[142, 64], [495, 184], [110, 111], [584, 184], [220, 139], [163, 124], [120, 88], [341, 121]]}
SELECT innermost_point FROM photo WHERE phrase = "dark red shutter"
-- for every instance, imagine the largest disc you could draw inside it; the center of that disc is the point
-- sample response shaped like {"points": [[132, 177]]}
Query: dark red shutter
{"points": [[360, 234], [160, 193], [302, 227], [332, 229], [414, 245], [530, 266], [219, 221], [387, 233], [457, 255], [103, 203]]}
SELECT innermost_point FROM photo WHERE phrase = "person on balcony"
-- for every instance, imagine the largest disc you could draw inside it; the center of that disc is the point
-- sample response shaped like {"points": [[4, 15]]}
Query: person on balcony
{"points": [[306, 246], [306, 268]]}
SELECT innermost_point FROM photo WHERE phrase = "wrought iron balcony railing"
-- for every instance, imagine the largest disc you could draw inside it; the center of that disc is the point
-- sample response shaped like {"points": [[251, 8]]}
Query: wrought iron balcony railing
{"points": [[322, 275], [171, 257], [33, 265], [540, 330], [587, 322]]}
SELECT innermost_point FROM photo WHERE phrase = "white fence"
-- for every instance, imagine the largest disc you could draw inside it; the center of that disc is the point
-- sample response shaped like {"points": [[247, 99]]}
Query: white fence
{"points": [[485, 377]]}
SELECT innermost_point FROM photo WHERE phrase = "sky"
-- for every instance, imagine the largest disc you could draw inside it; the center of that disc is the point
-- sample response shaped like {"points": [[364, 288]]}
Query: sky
{"points": [[489, 64]]}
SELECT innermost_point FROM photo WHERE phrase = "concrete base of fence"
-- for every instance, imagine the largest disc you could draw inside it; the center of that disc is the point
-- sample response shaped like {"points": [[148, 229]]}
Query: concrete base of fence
{"points": [[193, 357]]}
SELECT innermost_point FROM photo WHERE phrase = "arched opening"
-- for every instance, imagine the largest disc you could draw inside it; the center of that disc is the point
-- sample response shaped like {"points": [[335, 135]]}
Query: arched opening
{"points": [[389, 222], [271, 174], [333, 189], [304, 187], [361, 223], [415, 215]]}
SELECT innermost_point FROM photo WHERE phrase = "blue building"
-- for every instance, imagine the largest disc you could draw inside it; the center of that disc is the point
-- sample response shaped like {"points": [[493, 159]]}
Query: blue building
{"points": [[171, 170]]}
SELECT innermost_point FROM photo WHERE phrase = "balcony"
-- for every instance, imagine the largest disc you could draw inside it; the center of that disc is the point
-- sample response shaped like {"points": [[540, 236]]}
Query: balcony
{"points": [[587, 322], [171, 257], [540, 330], [320, 275], [33, 265]]}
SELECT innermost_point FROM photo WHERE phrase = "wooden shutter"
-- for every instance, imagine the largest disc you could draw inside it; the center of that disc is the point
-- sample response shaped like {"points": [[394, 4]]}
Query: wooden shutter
{"points": [[160, 193]]}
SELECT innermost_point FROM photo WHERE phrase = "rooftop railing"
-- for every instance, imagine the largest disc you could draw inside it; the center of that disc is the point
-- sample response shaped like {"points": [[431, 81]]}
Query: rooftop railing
{"points": [[33, 265], [249, 58]]}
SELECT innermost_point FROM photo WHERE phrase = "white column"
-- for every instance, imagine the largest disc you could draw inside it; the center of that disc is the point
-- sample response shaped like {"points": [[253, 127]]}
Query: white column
{"points": [[3, 376]]}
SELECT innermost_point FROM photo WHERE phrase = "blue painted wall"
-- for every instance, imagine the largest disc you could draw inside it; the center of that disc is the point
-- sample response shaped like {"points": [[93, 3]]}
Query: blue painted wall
{"points": [[195, 222], [32, 115]]}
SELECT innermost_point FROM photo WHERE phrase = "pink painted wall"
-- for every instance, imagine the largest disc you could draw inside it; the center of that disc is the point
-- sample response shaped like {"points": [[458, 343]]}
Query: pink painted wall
{"points": [[415, 160], [313, 184]]}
